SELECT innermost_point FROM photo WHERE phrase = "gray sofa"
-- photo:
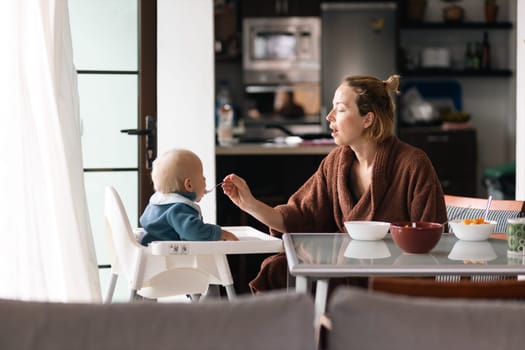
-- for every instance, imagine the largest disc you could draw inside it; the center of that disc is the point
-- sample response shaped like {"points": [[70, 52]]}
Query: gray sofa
{"points": [[363, 320], [359, 320], [273, 321]]}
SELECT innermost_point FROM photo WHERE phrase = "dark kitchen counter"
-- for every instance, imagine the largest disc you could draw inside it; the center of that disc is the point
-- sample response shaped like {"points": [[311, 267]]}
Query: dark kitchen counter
{"points": [[308, 147]]}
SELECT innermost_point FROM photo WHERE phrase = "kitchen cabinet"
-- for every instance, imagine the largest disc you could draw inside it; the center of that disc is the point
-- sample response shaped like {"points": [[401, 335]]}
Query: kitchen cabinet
{"points": [[273, 8], [271, 177], [453, 154]]}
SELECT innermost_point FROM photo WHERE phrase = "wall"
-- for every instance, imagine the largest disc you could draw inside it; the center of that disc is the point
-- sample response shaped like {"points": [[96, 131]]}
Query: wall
{"points": [[185, 84]]}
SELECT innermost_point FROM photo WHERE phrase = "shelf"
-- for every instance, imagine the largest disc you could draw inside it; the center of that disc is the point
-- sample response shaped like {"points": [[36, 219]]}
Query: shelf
{"points": [[455, 25], [439, 72]]}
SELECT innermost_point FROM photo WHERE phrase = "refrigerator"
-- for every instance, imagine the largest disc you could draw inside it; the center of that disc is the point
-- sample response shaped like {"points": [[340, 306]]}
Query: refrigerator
{"points": [[356, 38]]}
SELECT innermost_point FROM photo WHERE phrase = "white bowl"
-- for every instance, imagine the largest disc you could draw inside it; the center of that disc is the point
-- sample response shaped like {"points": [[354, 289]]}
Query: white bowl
{"points": [[472, 251], [367, 230], [367, 250], [472, 232]]}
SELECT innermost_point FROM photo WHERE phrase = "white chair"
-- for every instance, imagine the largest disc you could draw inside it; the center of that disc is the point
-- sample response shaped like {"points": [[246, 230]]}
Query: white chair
{"points": [[156, 276]]}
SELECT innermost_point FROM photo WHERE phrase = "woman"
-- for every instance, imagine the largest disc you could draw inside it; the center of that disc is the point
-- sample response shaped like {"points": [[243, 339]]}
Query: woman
{"points": [[372, 175]]}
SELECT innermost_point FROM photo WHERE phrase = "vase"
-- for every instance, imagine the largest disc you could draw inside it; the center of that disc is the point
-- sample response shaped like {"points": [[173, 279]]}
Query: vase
{"points": [[415, 10], [491, 12]]}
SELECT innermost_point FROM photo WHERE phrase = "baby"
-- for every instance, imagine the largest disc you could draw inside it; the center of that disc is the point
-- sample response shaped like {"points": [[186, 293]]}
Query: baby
{"points": [[173, 213]]}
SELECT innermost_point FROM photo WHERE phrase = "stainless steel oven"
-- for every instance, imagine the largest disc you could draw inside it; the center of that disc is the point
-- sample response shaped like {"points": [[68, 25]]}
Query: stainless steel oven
{"points": [[281, 50]]}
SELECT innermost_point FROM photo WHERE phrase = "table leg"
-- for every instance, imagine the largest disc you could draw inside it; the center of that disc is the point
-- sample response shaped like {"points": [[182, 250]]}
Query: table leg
{"points": [[230, 292], [321, 294], [290, 281], [301, 284]]}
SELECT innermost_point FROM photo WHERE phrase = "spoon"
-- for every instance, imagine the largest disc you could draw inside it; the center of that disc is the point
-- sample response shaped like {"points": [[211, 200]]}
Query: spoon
{"points": [[214, 187], [489, 201]]}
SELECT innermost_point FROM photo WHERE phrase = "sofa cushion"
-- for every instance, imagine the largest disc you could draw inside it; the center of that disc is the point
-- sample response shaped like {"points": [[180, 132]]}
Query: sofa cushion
{"points": [[270, 321], [372, 320]]}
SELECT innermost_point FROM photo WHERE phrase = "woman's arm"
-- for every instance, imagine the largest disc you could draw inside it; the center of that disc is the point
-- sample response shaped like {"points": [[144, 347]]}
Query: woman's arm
{"points": [[428, 200]]}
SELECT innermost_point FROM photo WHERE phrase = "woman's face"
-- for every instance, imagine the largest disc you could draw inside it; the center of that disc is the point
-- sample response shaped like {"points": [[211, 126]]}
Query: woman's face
{"points": [[345, 122]]}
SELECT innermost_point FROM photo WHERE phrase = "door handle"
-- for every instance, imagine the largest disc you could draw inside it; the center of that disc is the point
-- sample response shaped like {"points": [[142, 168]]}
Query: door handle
{"points": [[138, 132], [151, 138]]}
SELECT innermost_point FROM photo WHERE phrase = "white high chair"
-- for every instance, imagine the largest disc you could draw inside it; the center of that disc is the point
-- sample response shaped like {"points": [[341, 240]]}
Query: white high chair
{"points": [[157, 275]]}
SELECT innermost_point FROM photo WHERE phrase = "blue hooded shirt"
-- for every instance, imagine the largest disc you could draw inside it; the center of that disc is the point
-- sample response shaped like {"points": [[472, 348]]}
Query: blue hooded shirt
{"points": [[176, 217]]}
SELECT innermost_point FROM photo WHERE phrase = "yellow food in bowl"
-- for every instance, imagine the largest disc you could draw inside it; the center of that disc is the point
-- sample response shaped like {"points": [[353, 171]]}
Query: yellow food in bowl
{"points": [[475, 221]]}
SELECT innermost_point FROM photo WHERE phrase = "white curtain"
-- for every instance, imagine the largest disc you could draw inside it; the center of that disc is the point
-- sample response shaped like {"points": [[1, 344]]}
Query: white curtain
{"points": [[46, 246]]}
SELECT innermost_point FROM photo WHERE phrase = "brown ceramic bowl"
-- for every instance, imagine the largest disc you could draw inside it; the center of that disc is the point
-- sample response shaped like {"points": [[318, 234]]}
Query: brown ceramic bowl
{"points": [[416, 237]]}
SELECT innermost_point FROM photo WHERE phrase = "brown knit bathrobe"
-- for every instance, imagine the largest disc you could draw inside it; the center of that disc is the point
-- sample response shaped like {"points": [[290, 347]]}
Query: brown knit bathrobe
{"points": [[404, 187]]}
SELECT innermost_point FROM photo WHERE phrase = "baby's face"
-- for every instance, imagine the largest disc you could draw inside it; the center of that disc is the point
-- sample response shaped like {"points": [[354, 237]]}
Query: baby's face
{"points": [[198, 182]]}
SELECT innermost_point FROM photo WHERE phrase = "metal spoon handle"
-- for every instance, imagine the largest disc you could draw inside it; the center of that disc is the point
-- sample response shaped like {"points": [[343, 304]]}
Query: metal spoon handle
{"points": [[489, 201], [214, 187]]}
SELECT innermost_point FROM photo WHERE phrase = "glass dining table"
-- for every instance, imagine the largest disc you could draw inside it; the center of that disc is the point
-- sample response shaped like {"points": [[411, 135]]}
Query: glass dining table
{"points": [[318, 257]]}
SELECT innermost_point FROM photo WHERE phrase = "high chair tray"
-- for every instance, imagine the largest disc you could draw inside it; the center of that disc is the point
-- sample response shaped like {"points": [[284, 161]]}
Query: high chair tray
{"points": [[251, 241]]}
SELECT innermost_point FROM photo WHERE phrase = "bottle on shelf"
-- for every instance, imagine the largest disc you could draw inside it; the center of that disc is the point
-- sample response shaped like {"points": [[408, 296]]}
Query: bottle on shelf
{"points": [[223, 97], [485, 52], [473, 56], [477, 55], [223, 94], [470, 56], [224, 116], [225, 127]]}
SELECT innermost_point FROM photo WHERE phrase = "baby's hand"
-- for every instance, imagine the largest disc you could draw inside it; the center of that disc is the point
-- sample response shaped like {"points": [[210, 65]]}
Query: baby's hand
{"points": [[228, 236]]}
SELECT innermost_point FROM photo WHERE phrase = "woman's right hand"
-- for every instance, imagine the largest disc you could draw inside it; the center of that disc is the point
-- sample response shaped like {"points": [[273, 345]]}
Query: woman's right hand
{"points": [[236, 188]]}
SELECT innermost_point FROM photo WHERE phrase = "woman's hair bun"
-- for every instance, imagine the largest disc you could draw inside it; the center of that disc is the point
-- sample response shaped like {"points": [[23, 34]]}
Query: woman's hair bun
{"points": [[392, 84]]}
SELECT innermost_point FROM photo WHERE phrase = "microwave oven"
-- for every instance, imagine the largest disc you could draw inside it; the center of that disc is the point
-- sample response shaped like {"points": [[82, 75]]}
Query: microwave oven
{"points": [[281, 50]]}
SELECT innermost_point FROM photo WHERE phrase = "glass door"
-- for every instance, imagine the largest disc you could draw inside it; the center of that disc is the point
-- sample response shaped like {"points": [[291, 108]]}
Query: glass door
{"points": [[105, 38]]}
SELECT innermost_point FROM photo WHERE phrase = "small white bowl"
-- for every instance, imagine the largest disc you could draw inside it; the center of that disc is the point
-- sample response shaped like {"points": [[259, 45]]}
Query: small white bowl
{"points": [[367, 230], [367, 249], [472, 232]]}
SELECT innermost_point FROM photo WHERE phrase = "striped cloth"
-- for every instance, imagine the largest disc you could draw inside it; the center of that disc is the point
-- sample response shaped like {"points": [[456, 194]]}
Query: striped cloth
{"points": [[500, 216]]}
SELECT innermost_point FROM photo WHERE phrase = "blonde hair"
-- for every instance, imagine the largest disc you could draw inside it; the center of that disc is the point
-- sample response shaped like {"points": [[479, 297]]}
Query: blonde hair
{"points": [[375, 95], [171, 168]]}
